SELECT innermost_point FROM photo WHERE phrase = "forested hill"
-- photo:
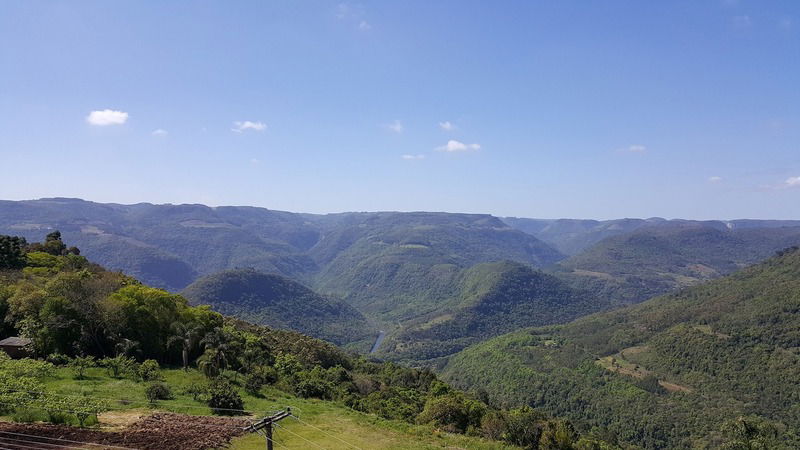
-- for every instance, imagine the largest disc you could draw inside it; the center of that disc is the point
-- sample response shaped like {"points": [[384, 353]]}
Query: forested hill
{"points": [[658, 259], [493, 298], [278, 302], [667, 373], [169, 246], [94, 331]]}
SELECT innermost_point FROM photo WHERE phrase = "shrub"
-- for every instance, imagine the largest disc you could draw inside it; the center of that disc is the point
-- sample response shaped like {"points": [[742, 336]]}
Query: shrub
{"points": [[119, 365], [287, 365], [80, 364], [453, 412], [158, 391], [313, 383], [223, 398], [149, 370], [26, 415], [253, 385], [196, 390], [57, 359]]}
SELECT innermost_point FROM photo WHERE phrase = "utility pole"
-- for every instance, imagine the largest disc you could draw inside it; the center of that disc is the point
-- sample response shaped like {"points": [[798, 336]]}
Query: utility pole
{"points": [[266, 423]]}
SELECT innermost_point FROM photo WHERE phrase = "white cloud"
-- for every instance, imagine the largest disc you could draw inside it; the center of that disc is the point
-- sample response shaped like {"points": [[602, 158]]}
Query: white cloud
{"points": [[364, 26], [239, 127], [107, 117], [786, 24], [636, 148], [255, 161], [454, 146], [159, 132], [447, 125], [714, 179], [412, 157], [396, 127], [792, 182]]}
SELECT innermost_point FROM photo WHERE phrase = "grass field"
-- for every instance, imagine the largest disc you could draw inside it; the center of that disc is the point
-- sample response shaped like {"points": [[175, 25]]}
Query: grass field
{"points": [[319, 424]]}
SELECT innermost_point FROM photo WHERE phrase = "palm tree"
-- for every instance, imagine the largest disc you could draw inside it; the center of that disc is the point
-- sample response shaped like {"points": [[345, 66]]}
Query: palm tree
{"points": [[214, 359], [187, 335]]}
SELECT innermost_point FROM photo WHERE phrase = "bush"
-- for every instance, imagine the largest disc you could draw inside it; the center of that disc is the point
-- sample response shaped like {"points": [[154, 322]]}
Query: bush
{"points": [[80, 364], [196, 390], [57, 359], [253, 385], [58, 417], [149, 371], [26, 415], [313, 383], [119, 365], [223, 398], [287, 365], [453, 412], [158, 391]]}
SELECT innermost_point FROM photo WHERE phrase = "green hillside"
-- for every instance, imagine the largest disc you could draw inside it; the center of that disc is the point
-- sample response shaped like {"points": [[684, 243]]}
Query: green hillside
{"points": [[654, 260], [492, 299], [109, 349], [667, 373], [398, 266], [278, 302]]}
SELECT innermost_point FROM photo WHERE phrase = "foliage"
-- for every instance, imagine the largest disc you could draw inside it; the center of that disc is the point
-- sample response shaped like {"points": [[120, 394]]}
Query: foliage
{"points": [[149, 370], [278, 302], [119, 365], [12, 252], [223, 398], [81, 363], [158, 391], [723, 349]]}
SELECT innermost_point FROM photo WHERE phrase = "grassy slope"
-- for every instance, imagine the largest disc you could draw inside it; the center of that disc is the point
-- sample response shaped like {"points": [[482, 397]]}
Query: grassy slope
{"points": [[362, 430], [727, 348]]}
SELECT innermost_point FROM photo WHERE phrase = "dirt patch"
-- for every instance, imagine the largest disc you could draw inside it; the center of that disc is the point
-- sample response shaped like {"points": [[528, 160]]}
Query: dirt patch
{"points": [[672, 387], [158, 431]]}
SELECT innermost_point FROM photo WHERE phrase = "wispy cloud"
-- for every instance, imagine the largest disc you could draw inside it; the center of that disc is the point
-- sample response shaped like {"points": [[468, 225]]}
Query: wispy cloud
{"points": [[255, 161], [714, 179], [447, 125], [239, 127], [107, 117], [454, 146], [412, 157], [395, 127], [636, 148], [786, 23], [353, 14], [160, 132], [791, 182]]}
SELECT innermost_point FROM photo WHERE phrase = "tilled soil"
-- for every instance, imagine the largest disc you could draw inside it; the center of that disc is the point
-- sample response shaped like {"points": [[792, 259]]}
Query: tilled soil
{"points": [[158, 431]]}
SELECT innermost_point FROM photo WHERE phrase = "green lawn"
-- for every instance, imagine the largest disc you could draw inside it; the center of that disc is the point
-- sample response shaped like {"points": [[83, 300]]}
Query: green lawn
{"points": [[327, 424]]}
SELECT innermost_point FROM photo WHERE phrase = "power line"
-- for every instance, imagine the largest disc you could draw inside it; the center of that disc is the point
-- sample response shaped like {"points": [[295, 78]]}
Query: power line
{"points": [[326, 433], [301, 437], [64, 440], [36, 442]]}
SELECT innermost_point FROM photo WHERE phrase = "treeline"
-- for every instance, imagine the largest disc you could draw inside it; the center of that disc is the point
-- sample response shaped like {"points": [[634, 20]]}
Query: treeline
{"points": [[80, 315]]}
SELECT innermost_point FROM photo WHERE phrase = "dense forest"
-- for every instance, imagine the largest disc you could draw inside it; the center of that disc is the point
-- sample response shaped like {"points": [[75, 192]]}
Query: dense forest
{"points": [[78, 314], [675, 371], [279, 302]]}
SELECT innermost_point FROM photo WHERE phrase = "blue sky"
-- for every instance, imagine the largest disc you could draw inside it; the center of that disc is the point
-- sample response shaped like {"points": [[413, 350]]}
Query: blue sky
{"points": [[538, 109]]}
